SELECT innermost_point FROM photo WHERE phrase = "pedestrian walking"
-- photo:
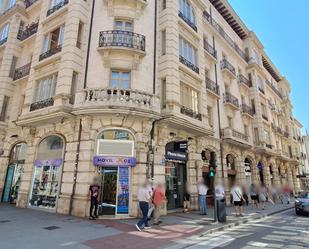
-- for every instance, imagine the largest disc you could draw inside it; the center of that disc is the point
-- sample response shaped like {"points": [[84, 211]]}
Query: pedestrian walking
{"points": [[94, 194], [186, 200], [254, 196], [158, 198], [238, 199], [144, 197], [202, 192], [263, 196], [151, 205]]}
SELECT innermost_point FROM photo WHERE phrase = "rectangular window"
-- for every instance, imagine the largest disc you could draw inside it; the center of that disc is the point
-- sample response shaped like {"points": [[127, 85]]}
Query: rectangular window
{"points": [[253, 105], [260, 83], [163, 4], [246, 129], [123, 25], [230, 122], [210, 116], [120, 79], [10, 4], [73, 87], [53, 39], [4, 32], [4, 108], [267, 136], [187, 51], [256, 136], [163, 41], [46, 88], [80, 35], [13, 67], [189, 98], [163, 93]]}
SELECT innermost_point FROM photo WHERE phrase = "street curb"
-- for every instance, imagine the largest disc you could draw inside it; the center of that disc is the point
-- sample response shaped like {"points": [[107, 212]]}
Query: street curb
{"points": [[244, 221]]}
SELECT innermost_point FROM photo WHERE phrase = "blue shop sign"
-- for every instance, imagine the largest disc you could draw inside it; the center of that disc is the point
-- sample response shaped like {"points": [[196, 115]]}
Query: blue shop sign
{"points": [[114, 161]]}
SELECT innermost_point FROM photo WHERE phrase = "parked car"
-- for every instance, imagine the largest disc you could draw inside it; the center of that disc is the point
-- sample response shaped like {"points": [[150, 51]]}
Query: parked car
{"points": [[302, 203]]}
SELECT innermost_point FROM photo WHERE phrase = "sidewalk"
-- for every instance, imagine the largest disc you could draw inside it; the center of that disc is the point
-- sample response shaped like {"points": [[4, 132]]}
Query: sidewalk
{"points": [[30, 229]]}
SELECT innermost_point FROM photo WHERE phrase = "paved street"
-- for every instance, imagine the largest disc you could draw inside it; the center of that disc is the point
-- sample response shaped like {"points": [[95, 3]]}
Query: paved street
{"points": [[284, 230], [31, 229]]}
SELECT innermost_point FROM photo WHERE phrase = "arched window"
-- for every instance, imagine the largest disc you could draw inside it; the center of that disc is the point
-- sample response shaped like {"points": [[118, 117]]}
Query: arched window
{"points": [[47, 171], [186, 10]]}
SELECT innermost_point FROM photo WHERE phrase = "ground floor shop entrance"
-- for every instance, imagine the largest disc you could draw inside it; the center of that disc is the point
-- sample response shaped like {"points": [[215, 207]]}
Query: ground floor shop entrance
{"points": [[114, 198]]}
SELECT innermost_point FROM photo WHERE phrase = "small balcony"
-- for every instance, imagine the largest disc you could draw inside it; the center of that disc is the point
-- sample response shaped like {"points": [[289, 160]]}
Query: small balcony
{"points": [[243, 81], [50, 52], [122, 39], [228, 68], [187, 20], [57, 7], [189, 64], [190, 113], [212, 87], [231, 100], [29, 3], [41, 104], [4, 40], [271, 85], [235, 137], [247, 111], [210, 50], [22, 72], [28, 31], [107, 99]]}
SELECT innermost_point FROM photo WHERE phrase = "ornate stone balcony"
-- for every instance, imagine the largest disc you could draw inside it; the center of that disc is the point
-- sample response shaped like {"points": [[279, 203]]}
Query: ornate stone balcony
{"points": [[22, 72], [189, 64], [107, 99], [235, 137], [57, 7], [210, 50], [190, 113], [228, 68], [212, 87], [122, 39], [41, 104], [247, 110], [28, 31], [186, 20], [50, 52], [242, 80], [230, 100]]}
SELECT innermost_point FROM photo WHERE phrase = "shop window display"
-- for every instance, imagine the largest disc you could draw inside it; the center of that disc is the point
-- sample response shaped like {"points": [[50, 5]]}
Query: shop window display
{"points": [[47, 172]]}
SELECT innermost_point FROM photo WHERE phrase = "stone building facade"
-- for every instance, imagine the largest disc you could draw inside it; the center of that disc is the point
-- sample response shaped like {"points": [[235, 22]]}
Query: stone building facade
{"points": [[129, 90]]}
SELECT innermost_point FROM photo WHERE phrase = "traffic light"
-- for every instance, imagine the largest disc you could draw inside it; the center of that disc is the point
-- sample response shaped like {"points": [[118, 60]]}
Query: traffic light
{"points": [[212, 172]]}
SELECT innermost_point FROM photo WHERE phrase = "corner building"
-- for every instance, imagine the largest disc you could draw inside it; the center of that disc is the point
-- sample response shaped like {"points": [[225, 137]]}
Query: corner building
{"points": [[129, 90]]}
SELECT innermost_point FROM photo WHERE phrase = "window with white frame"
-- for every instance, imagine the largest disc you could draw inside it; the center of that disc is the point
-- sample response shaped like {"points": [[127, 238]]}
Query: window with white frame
{"points": [[186, 10], [53, 39], [4, 32], [46, 88], [120, 79], [123, 25], [189, 97], [187, 51]]}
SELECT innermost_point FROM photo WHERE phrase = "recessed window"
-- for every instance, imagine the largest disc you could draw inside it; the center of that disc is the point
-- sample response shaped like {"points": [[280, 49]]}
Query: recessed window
{"points": [[123, 25], [187, 51], [186, 9], [189, 98], [4, 32], [120, 79], [54, 39], [46, 88]]}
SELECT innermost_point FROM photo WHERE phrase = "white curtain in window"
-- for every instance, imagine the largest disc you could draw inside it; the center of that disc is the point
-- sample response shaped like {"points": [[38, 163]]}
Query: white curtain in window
{"points": [[46, 43], [61, 36], [186, 9], [187, 51], [46, 88]]}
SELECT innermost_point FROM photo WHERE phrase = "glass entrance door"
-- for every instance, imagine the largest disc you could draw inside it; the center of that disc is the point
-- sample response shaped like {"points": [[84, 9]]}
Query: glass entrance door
{"points": [[8, 184], [108, 201]]}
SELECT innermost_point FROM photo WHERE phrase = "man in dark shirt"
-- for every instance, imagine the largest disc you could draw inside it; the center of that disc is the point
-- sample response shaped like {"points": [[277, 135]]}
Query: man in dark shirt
{"points": [[94, 198]]}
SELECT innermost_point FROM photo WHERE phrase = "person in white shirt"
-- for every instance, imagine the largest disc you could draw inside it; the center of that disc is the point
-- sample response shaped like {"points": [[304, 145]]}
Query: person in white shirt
{"points": [[238, 199], [219, 189], [202, 192], [144, 197]]}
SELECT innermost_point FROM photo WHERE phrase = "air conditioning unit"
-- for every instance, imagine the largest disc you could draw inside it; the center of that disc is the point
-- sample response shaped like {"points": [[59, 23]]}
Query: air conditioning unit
{"points": [[107, 147]]}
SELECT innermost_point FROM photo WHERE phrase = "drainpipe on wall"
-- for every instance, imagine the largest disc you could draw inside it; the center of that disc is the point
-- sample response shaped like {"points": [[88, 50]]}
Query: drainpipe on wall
{"points": [[80, 119], [155, 49]]}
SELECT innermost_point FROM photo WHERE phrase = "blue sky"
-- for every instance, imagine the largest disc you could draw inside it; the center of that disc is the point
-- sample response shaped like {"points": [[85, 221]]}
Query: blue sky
{"points": [[283, 28]]}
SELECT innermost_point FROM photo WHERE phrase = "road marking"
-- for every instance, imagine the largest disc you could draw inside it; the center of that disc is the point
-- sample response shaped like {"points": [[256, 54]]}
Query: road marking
{"points": [[257, 244], [213, 243], [285, 233]]}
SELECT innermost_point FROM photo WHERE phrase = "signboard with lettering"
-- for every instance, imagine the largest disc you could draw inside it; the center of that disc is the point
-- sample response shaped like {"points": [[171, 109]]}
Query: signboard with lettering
{"points": [[114, 161], [176, 155]]}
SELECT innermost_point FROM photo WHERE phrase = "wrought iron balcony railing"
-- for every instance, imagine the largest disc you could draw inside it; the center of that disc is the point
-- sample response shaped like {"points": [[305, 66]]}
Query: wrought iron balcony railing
{"points": [[231, 99], [243, 80], [57, 7], [28, 31], [225, 36], [247, 109], [41, 104], [210, 49], [275, 89], [22, 71], [212, 86], [50, 52], [190, 113], [187, 20], [120, 38], [229, 133], [189, 64], [4, 40], [225, 64], [28, 3]]}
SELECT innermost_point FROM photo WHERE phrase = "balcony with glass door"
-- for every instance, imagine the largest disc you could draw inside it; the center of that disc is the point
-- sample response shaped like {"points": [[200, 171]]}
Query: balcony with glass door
{"points": [[228, 69], [231, 101]]}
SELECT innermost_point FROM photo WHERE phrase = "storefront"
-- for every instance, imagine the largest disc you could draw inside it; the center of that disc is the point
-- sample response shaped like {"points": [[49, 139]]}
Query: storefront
{"points": [[231, 170], [248, 171], [47, 173], [176, 157], [14, 173], [114, 159]]}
